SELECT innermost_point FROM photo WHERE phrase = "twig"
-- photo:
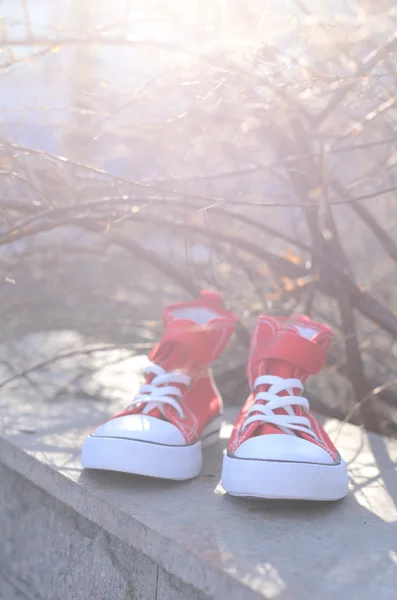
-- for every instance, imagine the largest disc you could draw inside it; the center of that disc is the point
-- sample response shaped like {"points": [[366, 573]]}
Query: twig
{"points": [[368, 63], [55, 359]]}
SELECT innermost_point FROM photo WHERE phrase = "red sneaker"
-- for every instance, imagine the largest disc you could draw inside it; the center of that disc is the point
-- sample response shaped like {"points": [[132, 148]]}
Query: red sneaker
{"points": [[277, 448], [178, 410]]}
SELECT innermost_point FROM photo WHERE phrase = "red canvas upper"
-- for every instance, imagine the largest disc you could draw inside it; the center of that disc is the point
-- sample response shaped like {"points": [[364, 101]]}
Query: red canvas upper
{"points": [[187, 345], [194, 334], [286, 347]]}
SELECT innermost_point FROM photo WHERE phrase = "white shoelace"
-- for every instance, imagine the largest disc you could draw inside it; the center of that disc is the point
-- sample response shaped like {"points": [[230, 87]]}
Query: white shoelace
{"points": [[158, 392], [290, 422]]}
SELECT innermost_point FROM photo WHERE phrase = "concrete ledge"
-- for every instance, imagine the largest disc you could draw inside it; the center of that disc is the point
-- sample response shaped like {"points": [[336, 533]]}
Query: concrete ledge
{"points": [[73, 534]]}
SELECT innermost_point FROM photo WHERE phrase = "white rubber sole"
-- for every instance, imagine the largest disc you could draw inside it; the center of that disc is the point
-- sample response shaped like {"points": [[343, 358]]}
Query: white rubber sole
{"points": [[148, 458], [284, 480]]}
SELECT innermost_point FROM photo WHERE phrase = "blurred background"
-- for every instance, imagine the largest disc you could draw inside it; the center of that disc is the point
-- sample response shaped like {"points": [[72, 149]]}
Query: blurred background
{"points": [[148, 150]]}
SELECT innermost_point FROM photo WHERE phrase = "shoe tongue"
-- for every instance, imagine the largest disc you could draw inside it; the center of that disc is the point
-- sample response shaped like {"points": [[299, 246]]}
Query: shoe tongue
{"points": [[287, 347]]}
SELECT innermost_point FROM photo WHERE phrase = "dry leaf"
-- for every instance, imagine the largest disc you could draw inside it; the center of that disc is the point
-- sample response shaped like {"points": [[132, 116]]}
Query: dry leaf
{"points": [[292, 257]]}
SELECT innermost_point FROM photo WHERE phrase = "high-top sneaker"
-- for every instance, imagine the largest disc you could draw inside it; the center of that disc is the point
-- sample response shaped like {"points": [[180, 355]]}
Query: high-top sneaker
{"points": [[178, 410], [277, 448]]}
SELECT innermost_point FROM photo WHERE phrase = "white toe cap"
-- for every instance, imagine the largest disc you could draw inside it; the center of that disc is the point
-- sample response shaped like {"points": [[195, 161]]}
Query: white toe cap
{"points": [[142, 427], [278, 446]]}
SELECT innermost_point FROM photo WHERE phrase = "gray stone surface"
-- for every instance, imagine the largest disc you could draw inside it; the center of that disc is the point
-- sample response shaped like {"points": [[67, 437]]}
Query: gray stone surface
{"points": [[170, 587], [51, 552], [223, 547], [8, 591]]}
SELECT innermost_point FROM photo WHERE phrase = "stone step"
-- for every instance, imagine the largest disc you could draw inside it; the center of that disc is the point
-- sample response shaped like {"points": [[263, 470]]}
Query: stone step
{"points": [[66, 533]]}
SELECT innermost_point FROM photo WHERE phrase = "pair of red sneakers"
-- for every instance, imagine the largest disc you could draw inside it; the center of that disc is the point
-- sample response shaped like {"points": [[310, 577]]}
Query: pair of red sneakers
{"points": [[277, 448]]}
